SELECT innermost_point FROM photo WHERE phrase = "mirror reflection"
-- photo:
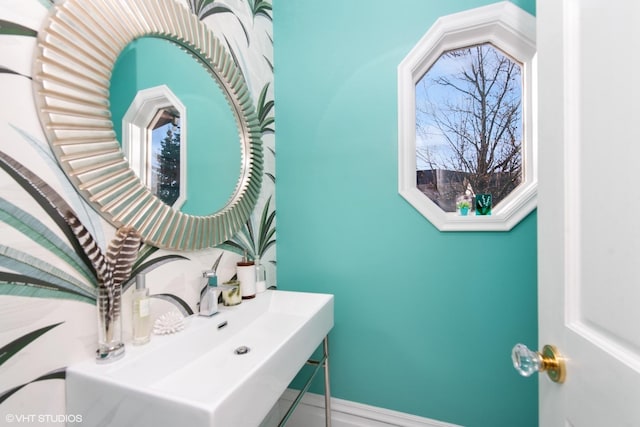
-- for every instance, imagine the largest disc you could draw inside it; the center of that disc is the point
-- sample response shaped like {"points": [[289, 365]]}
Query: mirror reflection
{"points": [[469, 127], [209, 137], [72, 93], [163, 163], [160, 109]]}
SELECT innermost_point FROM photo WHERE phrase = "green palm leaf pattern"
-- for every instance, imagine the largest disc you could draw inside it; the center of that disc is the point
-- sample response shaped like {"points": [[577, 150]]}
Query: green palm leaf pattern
{"points": [[235, 59], [53, 204], [260, 7], [268, 61], [143, 254], [31, 227], [13, 29], [58, 374], [264, 108], [196, 5], [34, 277], [205, 8], [255, 245], [47, 3], [145, 267], [24, 286], [212, 8], [267, 230], [5, 70], [85, 213], [271, 176], [180, 304], [37, 269], [7, 351], [216, 263]]}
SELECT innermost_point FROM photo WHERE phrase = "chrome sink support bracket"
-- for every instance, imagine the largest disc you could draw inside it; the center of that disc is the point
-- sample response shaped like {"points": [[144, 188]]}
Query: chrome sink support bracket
{"points": [[322, 363]]}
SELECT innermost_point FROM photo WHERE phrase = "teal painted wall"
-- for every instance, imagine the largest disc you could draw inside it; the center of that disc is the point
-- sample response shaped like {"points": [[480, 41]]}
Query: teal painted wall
{"points": [[424, 320], [213, 147]]}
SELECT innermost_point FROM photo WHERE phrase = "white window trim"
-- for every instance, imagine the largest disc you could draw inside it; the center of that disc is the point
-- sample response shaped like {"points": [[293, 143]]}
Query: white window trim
{"points": [[136, 135], [513, 31]]}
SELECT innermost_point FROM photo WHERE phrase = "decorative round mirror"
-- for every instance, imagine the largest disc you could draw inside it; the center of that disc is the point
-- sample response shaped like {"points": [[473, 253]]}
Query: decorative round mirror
{"points": [[76, 53]]}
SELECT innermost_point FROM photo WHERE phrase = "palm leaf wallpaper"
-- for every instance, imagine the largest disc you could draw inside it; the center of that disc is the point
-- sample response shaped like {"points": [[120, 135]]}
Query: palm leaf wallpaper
{"points": [[49, 283]]}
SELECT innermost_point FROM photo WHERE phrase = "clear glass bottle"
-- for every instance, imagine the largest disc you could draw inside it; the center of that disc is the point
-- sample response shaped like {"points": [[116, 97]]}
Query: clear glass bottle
{"points": [[141, 312], [261, 277]]}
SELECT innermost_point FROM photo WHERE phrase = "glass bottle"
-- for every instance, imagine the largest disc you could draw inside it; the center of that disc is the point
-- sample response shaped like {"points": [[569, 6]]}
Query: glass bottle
{"points": [[141, 312], [261, 277]]}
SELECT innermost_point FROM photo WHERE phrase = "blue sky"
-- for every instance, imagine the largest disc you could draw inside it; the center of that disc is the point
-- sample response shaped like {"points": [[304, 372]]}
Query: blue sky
{"points": [[431, 95]]}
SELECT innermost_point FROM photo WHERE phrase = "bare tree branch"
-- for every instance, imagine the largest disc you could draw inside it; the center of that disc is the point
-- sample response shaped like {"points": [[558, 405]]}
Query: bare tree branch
{"points": [[474, 130]]}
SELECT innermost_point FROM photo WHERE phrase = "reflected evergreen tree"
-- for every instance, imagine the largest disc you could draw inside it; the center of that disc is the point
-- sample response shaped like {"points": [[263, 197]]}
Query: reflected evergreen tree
{"points": [[168, 189]]}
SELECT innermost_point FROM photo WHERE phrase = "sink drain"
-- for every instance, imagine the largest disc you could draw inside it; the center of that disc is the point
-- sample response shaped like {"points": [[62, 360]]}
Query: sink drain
{"points": [[243, 349]]}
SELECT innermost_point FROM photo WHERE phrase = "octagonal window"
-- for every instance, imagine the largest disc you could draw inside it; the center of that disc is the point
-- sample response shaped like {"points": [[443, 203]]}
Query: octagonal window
{"points": [[469, 128], [155, 145], [465, 109]]}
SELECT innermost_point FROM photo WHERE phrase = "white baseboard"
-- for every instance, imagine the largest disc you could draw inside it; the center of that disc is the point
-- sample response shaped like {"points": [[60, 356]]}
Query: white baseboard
{"points": [[310, 413]]}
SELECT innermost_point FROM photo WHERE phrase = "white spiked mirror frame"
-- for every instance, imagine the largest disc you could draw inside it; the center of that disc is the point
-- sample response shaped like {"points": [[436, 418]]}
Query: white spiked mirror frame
{"points": [[75, 55]]}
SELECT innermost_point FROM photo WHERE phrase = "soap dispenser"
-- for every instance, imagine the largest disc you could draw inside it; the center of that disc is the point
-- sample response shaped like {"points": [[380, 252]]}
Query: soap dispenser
{"points": [[141, 312], [209, 299]]}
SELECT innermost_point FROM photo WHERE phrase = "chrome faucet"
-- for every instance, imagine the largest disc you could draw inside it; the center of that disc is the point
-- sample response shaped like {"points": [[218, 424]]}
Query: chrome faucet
{"points": [[208, 305]]}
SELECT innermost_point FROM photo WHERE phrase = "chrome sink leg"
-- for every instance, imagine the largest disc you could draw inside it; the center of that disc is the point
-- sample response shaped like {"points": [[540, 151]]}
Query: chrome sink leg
{"points": [[323, 363], [327, 387]]}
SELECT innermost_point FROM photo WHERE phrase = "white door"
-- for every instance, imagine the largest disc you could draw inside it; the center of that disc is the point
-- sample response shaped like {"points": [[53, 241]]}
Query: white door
{"points": [[589, 209]]}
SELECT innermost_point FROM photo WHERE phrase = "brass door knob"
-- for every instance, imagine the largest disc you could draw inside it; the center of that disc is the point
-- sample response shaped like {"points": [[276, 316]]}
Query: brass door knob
{"points": [[549, 360]]}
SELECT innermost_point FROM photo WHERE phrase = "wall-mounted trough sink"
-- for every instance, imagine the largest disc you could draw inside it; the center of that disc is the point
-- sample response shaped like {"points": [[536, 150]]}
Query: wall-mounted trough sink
{"points": [[195, 378]]}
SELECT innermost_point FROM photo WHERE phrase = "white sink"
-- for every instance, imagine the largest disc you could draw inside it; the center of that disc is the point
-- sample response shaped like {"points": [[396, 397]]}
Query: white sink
{"points": [[195, 378]]}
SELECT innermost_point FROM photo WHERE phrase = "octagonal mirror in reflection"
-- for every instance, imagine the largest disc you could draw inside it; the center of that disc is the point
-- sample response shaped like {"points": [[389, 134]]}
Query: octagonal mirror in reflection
{"points": [[154, 129], [469, 127]]}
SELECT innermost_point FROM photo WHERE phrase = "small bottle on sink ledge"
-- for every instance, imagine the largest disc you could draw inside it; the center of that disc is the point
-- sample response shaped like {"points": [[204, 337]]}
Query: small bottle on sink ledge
{"points": [[246, 271], [141, 312], [261, 277]]}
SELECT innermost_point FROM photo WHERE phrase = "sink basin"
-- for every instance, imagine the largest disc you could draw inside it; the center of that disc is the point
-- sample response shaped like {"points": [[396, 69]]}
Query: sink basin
{"points": [[195, 377]]}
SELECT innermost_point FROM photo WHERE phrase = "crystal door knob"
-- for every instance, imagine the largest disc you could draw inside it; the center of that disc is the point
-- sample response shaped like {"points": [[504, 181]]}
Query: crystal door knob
{"points": [[549, 360]]}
